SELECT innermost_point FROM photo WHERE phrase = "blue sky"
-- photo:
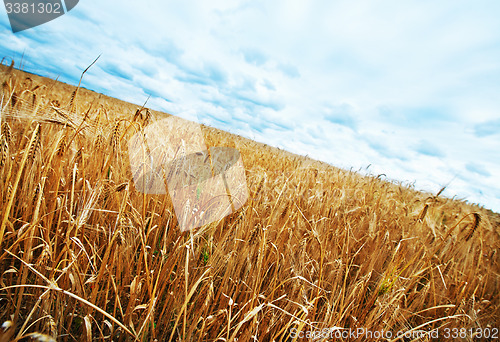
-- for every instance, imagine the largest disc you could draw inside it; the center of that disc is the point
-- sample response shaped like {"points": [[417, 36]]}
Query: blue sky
{"points": [[410, 88]]}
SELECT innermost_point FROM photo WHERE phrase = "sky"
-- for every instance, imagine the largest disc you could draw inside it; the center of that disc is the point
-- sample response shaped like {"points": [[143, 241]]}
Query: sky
{"points": [[408, 89]]}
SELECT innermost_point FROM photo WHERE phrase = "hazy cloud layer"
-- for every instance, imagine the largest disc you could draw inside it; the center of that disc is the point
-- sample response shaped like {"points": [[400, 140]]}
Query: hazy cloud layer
{"points": [[409, 88]]}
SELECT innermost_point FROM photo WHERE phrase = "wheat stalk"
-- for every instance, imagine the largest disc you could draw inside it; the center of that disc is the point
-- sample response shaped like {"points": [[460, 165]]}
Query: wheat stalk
{"points": [[34, 137], [475, 224]]}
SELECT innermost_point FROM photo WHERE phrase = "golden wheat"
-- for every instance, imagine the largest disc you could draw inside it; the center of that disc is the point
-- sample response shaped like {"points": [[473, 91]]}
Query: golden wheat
{"points": [[4, 150], [87, 257]]}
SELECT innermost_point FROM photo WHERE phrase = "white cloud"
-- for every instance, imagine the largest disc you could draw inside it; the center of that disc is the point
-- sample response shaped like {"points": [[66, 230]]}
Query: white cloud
{"points": [[409, 87]]}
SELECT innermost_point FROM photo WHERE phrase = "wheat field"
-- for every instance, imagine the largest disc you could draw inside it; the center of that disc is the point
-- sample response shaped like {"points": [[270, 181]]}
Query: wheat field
{"points": [[315, 250]]}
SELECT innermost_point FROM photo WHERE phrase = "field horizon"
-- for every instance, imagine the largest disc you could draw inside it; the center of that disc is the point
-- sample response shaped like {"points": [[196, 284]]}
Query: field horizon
{"points": [[315, 249], [132, 107]]}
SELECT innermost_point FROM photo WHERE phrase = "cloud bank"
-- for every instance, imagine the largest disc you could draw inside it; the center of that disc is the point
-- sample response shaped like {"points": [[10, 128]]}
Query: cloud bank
{"points": [[409, 88]]}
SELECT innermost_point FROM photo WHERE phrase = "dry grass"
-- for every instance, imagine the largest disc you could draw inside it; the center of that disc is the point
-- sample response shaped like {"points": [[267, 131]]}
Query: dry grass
{"points": [[86, 257]]}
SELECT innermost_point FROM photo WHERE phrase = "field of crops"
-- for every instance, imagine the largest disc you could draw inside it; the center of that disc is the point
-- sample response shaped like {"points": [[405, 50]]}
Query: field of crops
{"points": [[315, 250]]}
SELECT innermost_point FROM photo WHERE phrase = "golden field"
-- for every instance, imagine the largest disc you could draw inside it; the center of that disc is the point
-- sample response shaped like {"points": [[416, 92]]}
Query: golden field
{"points": [[84, 256]]}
